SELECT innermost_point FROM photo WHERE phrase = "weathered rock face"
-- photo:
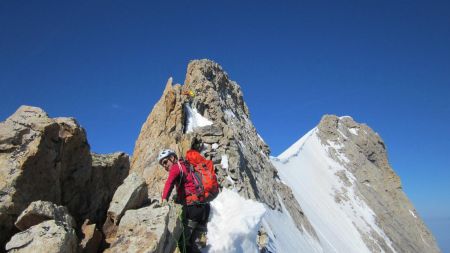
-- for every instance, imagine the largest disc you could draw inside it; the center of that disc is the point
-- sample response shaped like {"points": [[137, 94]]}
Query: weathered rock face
{"points": [[40, 211], [238, 152], [35, 164], [49, 159], [108, 173], [363, 153], [148, 229], [48, 236], [163, 126]]}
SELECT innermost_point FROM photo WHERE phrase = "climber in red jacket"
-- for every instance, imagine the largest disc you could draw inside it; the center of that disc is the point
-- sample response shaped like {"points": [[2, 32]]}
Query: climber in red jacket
{"points": [[195, 213]]}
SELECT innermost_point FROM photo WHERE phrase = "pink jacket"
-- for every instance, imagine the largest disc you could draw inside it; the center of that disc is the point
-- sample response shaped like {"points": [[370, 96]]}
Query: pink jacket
{"points": [[183, 181]]}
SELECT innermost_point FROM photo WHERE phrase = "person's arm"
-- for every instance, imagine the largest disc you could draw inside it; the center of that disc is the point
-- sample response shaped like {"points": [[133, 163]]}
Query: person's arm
{"points": [[174, 173]]}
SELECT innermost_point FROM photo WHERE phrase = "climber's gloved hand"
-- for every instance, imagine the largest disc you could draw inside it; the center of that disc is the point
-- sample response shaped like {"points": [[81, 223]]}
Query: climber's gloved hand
{"points": [[160, 203]]}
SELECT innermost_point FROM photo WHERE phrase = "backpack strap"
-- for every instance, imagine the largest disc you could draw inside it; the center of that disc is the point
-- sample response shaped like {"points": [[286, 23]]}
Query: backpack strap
{"points": [[181, 172], [182, 176]]}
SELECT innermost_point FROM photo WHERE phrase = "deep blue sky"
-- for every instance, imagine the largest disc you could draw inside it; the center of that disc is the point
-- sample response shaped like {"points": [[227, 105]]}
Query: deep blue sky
{"points": [[386, 64]]}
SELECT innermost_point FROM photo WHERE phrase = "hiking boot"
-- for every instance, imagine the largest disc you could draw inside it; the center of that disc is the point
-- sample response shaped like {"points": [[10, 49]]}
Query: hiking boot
{"points": [[201, 240]]}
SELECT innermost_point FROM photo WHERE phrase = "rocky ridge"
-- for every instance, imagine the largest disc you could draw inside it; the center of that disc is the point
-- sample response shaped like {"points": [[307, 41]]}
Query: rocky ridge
{"points": [[62, 196], [231, 141]]}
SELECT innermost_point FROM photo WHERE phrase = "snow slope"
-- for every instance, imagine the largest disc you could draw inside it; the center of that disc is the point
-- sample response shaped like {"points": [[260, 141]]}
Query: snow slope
{"points": [[343, 222], [284, 235], [234, 223]]}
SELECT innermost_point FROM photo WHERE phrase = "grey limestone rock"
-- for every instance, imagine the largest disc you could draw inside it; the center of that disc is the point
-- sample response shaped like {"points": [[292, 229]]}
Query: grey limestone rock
{"points": [[48, 236]]}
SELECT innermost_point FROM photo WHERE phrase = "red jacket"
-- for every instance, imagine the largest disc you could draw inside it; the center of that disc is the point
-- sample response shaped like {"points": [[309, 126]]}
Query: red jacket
{"points": [[183, 180]]}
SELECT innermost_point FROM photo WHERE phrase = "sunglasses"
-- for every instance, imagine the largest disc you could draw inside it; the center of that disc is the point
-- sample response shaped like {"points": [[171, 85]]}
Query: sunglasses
{"points": [[165, 162]]}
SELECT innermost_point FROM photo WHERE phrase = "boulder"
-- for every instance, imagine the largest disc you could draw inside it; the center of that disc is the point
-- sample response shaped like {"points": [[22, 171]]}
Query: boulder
{"points": [[41, 159], [49, 236], [49, 159], [40, 211], [131, 194], [148, 229]]}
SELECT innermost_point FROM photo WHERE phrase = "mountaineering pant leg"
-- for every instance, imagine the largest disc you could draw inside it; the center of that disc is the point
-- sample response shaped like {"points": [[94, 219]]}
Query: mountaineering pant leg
{"points": [[195, 218], [201, 230], [207, 210], [198, 213], [186, 245]]}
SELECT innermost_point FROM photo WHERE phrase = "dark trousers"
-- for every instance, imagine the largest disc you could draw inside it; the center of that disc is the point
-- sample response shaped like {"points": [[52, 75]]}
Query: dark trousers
{"points": [[198, 213], [195, 218]]}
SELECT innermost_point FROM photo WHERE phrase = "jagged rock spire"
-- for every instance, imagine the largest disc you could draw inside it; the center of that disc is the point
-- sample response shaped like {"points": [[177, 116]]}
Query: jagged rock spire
{"points": [[240, 155]]}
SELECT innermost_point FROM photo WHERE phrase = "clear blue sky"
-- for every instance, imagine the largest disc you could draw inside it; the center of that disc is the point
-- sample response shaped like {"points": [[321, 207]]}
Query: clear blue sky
{"points": [[385, 63]]}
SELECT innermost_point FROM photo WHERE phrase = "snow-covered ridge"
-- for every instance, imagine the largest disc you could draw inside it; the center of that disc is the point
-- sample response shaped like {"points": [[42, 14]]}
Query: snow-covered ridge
{"points": [[324, 188], [296, 148]]}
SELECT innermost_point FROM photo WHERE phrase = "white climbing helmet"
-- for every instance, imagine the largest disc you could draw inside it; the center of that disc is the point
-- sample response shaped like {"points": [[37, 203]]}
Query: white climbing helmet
{"points": [[165, 153]]}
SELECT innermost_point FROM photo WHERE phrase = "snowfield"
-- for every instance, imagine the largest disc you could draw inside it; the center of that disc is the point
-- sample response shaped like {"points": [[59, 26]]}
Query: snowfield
{"points": [[340, 218]]}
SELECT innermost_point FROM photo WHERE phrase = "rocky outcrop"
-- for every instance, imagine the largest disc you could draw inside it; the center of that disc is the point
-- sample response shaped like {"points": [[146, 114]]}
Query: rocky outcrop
{"points": [[240, 155], [49, 159], [48, 236], [131, 194], [362, 151], [40, 211], [148, 229], [41, 159]]}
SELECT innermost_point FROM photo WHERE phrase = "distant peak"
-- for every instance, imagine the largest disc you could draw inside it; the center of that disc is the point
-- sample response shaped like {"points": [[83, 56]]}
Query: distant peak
{"points": [[331, 123]]}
